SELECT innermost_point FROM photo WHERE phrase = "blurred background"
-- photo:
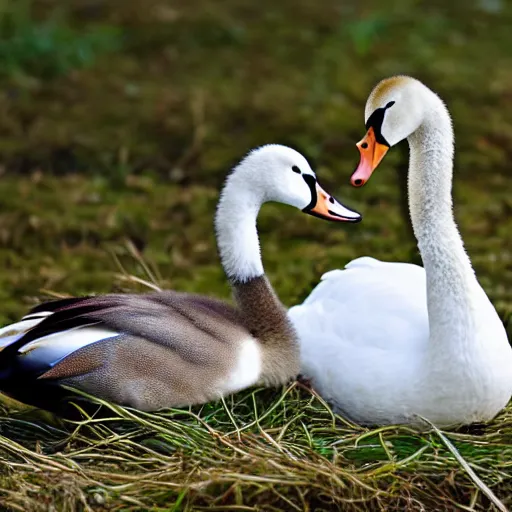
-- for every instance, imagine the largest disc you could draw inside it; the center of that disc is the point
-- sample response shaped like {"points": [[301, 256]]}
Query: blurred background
{"points": [[119, 121]]}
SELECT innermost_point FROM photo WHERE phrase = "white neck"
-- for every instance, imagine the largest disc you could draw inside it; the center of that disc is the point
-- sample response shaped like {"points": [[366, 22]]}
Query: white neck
{"points": [[237, 236], [450, 276]]}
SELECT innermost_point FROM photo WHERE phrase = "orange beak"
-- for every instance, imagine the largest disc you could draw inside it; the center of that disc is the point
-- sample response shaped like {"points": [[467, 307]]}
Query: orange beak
{"points": [[372, 153], [324, 205]]}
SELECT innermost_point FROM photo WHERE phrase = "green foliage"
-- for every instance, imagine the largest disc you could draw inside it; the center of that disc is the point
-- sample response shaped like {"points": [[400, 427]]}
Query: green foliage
{"points": [[364, 33], [50, 48]]}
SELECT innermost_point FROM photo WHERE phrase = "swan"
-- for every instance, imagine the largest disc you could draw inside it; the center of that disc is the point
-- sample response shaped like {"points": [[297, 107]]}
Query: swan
{"points": [[389, 343], [170, 349]]}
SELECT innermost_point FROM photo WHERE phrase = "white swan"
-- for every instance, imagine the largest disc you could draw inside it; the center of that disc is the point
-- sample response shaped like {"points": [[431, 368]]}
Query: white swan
{"points": [[385, 342]]}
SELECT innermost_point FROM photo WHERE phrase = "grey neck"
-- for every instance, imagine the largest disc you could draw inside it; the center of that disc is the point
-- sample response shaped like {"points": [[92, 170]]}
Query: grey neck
{"points": [[239, 249]]}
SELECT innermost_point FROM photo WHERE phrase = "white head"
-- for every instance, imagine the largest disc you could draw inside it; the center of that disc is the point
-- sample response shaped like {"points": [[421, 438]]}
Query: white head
{"points": [[395, 109], [281, 174], [269, 173]]}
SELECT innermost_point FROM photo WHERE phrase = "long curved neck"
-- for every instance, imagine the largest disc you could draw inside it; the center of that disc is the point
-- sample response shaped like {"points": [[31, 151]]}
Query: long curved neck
{"points": [[239, 249], [450, 276]]}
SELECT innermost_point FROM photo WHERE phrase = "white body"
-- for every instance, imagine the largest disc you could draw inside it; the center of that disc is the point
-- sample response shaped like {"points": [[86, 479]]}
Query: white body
{"points": [[388, 342], [365, 343]]}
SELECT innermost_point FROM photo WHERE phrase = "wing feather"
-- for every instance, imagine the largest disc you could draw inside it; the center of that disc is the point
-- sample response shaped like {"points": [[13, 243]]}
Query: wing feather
{"points": [[53, 331]]}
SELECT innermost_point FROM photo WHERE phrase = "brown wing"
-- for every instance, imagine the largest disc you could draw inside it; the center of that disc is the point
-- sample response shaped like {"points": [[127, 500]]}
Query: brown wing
{"points": [[182, 322], [172, 348]]}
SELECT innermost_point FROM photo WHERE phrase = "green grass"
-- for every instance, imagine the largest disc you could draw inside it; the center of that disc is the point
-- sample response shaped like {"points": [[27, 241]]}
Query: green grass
{"points": [[260, 450], [124, 153], [50, 48]]}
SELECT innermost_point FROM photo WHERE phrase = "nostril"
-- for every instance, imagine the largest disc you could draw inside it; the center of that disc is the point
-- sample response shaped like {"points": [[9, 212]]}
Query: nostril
{"points": [[331, 199], [364, 145], [358, 183]]}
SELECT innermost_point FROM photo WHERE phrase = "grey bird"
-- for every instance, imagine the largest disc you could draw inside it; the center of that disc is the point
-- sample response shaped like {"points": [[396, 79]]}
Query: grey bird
{"points": [[172, 349]]}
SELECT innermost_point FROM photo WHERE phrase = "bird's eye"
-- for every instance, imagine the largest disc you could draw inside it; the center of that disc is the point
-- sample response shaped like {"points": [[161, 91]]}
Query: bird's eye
{"points": [[296, 169]]}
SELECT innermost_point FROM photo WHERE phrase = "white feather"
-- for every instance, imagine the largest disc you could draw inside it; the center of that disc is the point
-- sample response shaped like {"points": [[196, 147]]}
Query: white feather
{"points": [[49, 350], [13, 332], [247, 370]]}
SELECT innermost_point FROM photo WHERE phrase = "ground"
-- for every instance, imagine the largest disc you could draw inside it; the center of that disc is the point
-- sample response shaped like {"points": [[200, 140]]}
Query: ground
{"points": [[118, 124]]}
